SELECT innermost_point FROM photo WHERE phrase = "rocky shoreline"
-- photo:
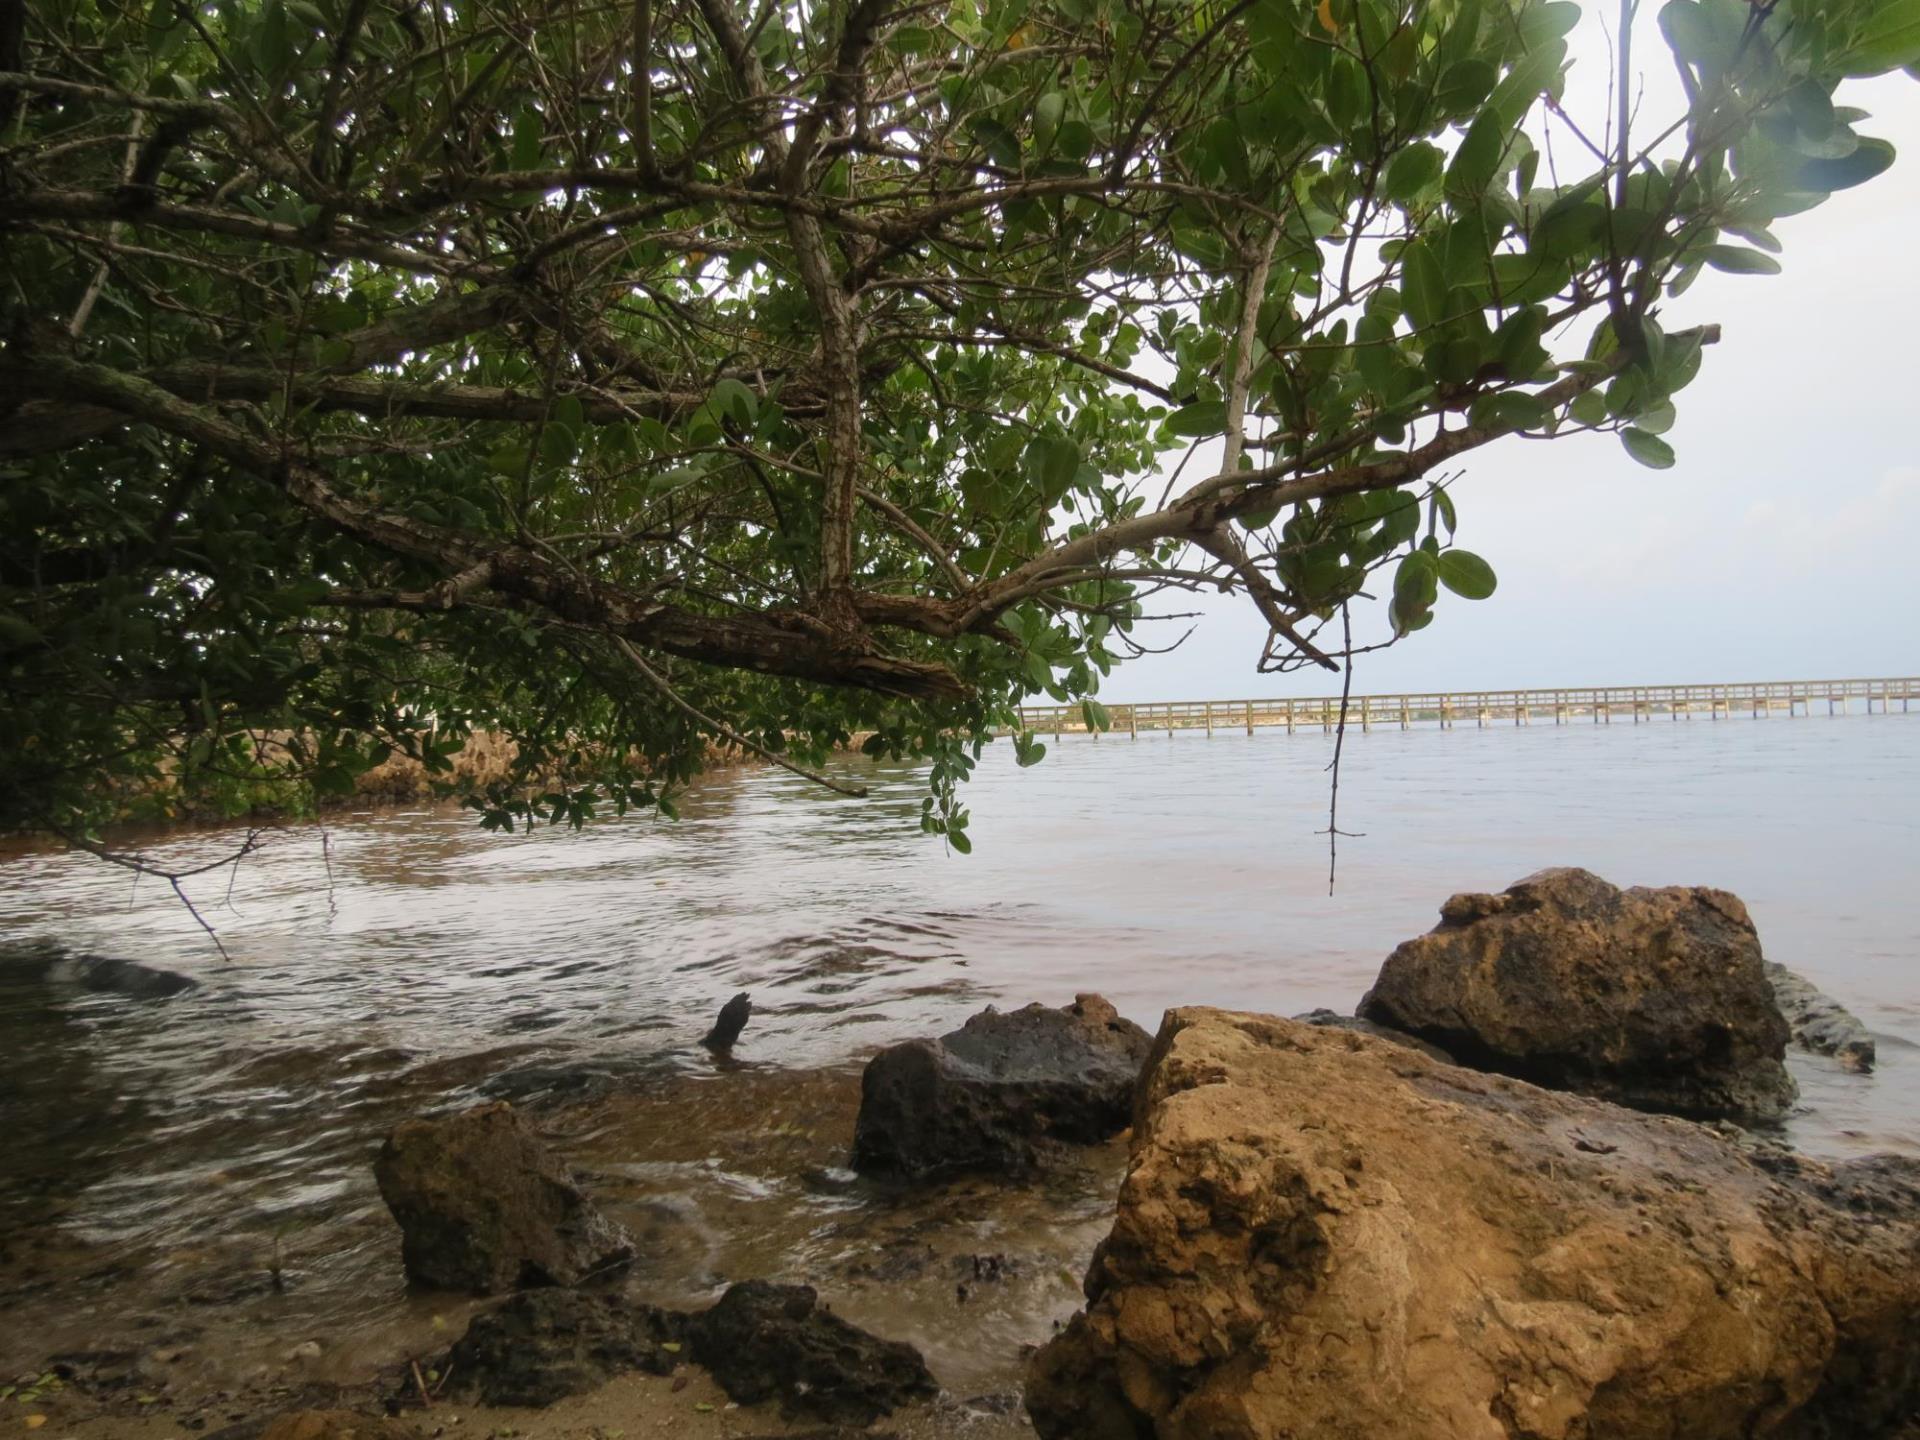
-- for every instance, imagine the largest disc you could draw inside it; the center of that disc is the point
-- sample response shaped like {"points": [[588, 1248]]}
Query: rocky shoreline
{"points": [[1530, 1191]]}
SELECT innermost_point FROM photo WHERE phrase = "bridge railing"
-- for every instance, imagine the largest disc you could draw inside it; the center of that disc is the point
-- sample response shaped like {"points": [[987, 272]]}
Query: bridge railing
{"points": [[1598, 703]]}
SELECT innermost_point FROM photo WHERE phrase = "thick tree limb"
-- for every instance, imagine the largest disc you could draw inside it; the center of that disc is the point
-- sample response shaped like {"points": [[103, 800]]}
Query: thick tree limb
{"points": [[774, 643]]}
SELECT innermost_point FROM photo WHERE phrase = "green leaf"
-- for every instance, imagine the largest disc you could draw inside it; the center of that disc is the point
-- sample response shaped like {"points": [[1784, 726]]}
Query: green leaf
{"points": [[1455, 360], [1650, 450], [1416, 583], [1203, 417], [1589, 408], [1736, 261], [1690, 31], [1423, 284], [959, 841], [1464, 85], [1657, 418], [1477, 160], [1871, 158], [273, 45], [557, 445], [1466, 574], [1048, 111], [1890, 38], [529, 132], [1413, 172], [735, 400], [1374, 355]]}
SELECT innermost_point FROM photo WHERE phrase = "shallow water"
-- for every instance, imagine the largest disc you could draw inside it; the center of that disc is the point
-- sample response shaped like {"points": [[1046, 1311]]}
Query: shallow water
{"points": [[164, 1156]]}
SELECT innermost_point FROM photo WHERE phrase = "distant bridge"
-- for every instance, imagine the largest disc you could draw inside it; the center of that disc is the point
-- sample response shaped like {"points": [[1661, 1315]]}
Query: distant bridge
{"points": [[1600, 706]]}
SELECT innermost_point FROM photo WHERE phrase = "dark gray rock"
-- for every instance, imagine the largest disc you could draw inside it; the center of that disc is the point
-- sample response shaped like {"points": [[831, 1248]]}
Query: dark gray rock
{"points": [[484, 1207], [1367, 1027], [1819, 1022], [733, 1019], [777, 1342], [1657, 999], [544, 1345], [110, 976], [995, 1093]]}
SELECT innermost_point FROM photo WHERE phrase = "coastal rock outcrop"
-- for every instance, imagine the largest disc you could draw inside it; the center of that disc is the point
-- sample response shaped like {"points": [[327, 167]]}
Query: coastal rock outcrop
{"points": [[1658, 999], [544, 1345], [1322, 1235], [483, 1206], [994, 1093], [1819, 1022], [764, 1341]]}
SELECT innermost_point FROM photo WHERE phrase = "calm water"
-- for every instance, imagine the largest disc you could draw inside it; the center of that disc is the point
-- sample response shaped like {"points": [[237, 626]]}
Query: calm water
{"points": [[159, 1148]]}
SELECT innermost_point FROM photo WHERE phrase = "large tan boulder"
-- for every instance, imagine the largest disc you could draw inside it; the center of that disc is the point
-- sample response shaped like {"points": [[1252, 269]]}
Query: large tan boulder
{"points": [[1327, 1236], [484, 1206], [1658, 999]]}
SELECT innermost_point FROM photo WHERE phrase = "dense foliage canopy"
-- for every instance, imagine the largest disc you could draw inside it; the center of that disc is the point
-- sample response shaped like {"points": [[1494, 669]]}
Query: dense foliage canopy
{"points": [[626, 377]]}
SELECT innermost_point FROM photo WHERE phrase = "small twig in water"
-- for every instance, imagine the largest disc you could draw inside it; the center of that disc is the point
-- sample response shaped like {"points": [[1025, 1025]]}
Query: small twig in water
{"points": [[1333, 832], [326, 859]]}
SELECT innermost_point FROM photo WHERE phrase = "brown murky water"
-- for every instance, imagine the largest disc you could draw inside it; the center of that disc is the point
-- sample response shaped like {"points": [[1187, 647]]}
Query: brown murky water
{"points": [[164, 1159]]}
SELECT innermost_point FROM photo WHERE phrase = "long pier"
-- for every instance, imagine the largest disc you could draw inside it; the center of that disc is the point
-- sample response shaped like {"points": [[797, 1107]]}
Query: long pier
{"points": [[1638, 704]]}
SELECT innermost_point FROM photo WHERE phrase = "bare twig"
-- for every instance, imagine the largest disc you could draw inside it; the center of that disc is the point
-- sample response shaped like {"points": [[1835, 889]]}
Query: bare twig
{"points": [[727, 732], [1333, 832]]}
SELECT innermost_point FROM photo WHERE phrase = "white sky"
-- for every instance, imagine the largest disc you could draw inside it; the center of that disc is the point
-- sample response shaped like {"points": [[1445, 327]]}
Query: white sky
{"points": [[1781, 546]]}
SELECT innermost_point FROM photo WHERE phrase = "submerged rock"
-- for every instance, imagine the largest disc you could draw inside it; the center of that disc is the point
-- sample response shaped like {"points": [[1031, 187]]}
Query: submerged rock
{"points": [[1324, 1236], [110, 976], [484, 1207], [776, 1342], [544, 1345], [992, 1094], [1819, 1022], [1658, 999]]}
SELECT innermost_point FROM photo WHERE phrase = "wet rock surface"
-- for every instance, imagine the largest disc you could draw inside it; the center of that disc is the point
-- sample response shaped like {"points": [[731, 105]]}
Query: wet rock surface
{"points": [[730, 1022], [484, 1206], [1819, 1022], [764, 1341], [1657, 999], [1336, 1020], [102, 974], [992, 1095], [1325, 1235], [544, 1345]]}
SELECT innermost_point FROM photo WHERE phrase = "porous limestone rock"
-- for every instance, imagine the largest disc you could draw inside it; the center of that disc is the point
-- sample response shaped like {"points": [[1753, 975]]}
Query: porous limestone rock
{"points": [[484, 1206], [1658, 999], [1326, 1236]]}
